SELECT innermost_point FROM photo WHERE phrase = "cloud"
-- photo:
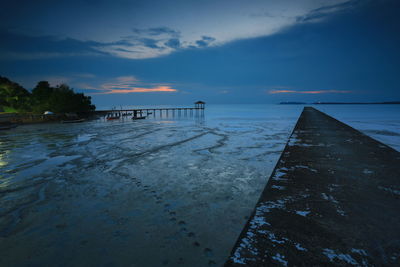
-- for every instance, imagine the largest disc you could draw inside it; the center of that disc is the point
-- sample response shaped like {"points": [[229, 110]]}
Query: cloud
{"points": [[287, 91], [213, 24], [173, 43], [150, 43], [86, 86], [156, 31], [143, 43], [126, 85], [92, 84], [17, 46], [125, 79], [139, 90], [205, 41], [320, 13]]}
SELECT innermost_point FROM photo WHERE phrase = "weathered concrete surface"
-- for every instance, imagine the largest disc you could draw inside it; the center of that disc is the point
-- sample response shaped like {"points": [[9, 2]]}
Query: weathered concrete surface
{"points": [[333, 199]]}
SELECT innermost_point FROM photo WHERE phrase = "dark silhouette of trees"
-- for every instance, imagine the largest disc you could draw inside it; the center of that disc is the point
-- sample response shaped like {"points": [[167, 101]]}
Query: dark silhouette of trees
{"points": [[63, 99], [14, 95], [59, 99], [40, 96]]}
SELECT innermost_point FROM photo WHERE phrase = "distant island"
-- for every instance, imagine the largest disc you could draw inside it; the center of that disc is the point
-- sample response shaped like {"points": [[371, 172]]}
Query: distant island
{"points": [[292, 103], [341, 103], [59, 99]]}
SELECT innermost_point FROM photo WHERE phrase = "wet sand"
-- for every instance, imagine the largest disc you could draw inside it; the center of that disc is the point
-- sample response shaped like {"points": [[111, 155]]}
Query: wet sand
{"points": [[159, 192]]}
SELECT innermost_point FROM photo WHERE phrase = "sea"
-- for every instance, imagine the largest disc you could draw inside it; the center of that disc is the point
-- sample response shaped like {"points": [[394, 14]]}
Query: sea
{"points": [[164, 191]]}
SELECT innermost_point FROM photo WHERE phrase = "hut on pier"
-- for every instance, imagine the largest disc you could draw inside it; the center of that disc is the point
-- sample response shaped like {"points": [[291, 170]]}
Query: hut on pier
{"points": [[200, 104]]}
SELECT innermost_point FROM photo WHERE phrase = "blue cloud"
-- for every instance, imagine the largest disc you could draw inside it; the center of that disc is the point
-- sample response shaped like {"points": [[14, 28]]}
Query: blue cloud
{"points": [[205, 41], [162, 30], [173, 43], [324, 11], [21, 46], [31, 47], [156, 31], [151, 43]]}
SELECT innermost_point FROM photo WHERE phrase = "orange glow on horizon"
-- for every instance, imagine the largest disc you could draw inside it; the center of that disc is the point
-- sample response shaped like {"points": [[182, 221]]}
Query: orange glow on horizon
{"points": [[281, 91], [129, 89]]}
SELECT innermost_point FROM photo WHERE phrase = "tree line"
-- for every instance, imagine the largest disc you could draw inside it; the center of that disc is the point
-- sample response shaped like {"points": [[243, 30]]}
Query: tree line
{"points": [[58, 99]]}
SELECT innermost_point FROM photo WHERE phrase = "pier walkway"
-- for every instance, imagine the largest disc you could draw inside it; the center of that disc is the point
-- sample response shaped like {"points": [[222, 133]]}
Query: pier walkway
{"points": [[332, 200], [197, 110], [155, 111]]}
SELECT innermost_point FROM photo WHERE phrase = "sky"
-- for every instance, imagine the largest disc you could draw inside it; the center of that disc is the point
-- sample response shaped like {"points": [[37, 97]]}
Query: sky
{"points": [[125, 52]]}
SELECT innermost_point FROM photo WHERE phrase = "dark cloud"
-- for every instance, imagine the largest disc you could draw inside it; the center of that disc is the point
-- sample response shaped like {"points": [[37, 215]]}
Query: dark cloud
{"points": [[20, 46], [156, 31], [162, 30], [201, 43], [150, 43], [322, 12], [173, 43], [123, 42], [14, 44], [124, 50], [208, 38], [205, 41]]}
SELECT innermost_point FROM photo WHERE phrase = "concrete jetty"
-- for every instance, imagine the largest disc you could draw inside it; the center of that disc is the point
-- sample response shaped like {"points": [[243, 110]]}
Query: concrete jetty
{"points": [[333, 199]]}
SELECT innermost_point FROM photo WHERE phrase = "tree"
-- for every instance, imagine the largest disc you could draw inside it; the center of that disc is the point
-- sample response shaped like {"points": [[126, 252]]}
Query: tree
{"points": [[41, 95], [14, 95], [63, 99], [59, 99]]}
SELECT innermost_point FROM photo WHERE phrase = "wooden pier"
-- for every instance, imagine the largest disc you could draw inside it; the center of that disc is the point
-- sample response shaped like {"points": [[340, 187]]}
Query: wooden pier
{"points": [[197, 110]]}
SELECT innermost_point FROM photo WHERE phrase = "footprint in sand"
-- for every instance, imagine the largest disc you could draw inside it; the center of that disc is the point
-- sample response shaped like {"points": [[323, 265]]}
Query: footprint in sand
{"points": [[208, 252]]}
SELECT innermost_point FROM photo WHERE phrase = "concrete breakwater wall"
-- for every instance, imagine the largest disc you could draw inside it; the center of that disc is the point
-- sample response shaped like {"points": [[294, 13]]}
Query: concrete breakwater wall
{"points": [[333, 199]]}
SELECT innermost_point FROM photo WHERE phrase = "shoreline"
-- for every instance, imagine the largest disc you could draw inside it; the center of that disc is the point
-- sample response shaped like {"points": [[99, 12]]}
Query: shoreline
{"points": [[24, 118]]}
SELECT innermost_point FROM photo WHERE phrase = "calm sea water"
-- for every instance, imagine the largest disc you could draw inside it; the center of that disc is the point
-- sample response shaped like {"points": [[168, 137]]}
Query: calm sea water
{"points": [[155, 192], [381, 122]]}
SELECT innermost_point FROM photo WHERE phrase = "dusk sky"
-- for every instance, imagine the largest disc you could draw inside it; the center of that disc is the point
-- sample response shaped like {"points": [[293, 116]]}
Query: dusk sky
{"points": [[125, 52]]}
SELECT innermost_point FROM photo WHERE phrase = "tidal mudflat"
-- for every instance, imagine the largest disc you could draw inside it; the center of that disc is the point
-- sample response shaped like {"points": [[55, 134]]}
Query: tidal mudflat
{"points": [[162, 191], [151, 193]]}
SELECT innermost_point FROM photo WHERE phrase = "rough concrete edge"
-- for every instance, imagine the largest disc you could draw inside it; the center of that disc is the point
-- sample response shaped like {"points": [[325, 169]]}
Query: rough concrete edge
{"points": [[228, 262], [245, 227]]}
